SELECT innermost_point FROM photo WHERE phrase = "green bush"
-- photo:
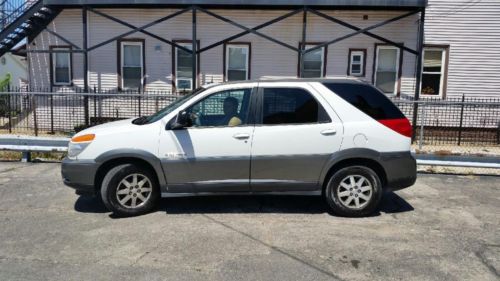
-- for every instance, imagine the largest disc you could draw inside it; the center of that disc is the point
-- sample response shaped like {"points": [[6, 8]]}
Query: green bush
{"points": [[4, 99], [5, 82]]}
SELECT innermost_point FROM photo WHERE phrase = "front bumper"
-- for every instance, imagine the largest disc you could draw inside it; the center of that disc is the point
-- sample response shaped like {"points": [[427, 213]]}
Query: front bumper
{"points": [[400, 169], [79, 174]]}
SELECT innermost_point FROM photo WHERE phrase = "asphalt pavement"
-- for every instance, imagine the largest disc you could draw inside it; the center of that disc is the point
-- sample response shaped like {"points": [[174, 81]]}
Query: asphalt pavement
{"points": [[445, 227]]}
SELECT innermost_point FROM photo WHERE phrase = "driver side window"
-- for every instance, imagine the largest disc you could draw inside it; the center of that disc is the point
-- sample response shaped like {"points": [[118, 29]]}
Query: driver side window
{"points": [[223, 109]]}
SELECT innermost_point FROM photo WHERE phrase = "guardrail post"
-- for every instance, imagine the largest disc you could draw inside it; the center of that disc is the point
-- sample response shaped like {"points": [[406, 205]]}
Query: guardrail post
{"points": [[26, 157], [422, 120], [461, 120]]}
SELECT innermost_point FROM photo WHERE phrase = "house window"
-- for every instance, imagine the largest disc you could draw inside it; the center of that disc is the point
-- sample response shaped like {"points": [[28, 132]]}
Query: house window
{"points": [[357, 63], [61, 66], [184, 67], [314, 62], [387, 69], [433, 71], [237, 62], [132, 65]]}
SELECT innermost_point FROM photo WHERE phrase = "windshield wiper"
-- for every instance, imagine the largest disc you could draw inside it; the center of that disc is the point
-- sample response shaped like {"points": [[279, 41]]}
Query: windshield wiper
{"points": [[141, 120]]}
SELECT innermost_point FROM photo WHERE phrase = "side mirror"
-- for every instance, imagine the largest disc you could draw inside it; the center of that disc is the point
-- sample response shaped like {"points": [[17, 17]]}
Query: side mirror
{"points": [[183, 120]]}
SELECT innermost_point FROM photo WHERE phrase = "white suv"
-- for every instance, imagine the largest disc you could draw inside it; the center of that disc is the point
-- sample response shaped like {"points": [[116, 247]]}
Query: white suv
{"points": [[341, 139]]}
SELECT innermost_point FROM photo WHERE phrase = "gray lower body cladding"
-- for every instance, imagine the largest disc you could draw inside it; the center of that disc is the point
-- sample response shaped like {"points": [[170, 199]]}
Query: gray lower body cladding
{"points": [[261, 174], [400, 169], [79, 175]]}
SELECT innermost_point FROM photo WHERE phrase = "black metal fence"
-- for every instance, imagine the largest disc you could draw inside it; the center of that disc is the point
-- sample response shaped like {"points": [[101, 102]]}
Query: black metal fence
{"points": [[465, 121]]}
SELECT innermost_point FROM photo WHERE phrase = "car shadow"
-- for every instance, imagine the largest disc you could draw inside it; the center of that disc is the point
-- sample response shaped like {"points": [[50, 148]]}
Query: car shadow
{"points": [[90, 204], [391, 203]]}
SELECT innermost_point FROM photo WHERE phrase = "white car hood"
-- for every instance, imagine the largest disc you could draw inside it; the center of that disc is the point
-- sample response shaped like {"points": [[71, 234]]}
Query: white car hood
{"points": [[111, 127]]}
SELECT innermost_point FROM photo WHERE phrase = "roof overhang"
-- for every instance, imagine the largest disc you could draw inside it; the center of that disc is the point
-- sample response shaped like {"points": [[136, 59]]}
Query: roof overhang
{"points": [[235, 4]]}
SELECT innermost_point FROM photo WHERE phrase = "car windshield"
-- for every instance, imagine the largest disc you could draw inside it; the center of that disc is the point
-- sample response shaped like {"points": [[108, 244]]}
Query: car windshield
{"points": [[171, 107]]}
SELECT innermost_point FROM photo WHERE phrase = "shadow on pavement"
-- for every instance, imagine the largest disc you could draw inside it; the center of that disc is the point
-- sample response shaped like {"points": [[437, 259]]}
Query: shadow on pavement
{"points": [[89, 204], [391, 203]]}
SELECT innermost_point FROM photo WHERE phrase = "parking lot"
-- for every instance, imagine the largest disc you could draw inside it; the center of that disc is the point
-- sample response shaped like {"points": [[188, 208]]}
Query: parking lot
{"points": [[443, 228]]}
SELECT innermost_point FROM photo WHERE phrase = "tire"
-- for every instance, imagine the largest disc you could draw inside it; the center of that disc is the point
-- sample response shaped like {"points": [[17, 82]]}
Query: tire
{"points": [[118, 190], [354, 200]]}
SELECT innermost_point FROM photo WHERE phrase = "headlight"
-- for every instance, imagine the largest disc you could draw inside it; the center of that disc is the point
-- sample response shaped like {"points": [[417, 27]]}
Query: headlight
{"points": [[78, 144]]}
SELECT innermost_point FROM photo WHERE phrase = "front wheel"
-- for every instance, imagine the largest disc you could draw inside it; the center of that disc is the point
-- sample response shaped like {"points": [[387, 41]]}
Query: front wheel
{"points": [[129, 190], [354, 191]]}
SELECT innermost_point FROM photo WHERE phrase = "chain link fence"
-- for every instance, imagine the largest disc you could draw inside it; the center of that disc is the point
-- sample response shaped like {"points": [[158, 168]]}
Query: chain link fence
{"points": [[467, 126]]}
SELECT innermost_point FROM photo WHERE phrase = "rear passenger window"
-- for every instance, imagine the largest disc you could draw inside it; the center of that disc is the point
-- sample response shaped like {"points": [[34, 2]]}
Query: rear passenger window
{"points": [[367, 99], [291, 106]]}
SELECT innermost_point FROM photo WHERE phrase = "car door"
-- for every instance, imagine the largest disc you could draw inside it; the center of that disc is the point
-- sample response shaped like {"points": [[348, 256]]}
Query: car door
{"points": [[213, 155], [296, 132]]}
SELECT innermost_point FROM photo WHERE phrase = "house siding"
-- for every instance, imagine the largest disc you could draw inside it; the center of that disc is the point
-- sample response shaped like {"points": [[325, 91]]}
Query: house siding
{"points": [[269, 60], [472, 30]]}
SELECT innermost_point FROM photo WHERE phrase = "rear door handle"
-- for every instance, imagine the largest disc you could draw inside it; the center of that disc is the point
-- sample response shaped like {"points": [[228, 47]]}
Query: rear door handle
{"points": [[329, 132], [241, 136]]}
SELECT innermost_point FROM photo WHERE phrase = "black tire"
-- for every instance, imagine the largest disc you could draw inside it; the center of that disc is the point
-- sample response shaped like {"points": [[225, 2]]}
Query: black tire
{"points": [[367, 207], [112, 182]]}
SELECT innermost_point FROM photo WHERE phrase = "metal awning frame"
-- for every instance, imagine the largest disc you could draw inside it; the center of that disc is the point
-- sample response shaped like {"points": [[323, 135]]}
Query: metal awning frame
{"points": [[196, 50]]}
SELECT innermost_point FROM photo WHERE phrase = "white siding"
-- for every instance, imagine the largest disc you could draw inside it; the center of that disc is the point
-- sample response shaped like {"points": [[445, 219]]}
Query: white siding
{"points": [[16, 67], [472, 30], [267, 58], [68, 24]]}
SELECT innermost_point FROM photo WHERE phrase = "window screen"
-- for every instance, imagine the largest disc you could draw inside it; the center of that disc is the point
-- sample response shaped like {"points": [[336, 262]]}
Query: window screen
{"points": [[291, 106], [184, 68], [387, 67], [132, 65], [313, 62], [237, 62], [367, 99], [62, 67]]}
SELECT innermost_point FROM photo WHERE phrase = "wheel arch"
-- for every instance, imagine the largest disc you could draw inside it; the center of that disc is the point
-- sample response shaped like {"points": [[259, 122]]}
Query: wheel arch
{"points": [[113, 158], [353, 157]]}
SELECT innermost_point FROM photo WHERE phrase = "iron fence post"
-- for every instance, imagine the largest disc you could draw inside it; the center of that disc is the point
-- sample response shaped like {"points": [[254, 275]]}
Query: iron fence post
{"points": [[9, 109], [421, 135], [35, 121], [460, 128], [139, 105], [52, 114]]}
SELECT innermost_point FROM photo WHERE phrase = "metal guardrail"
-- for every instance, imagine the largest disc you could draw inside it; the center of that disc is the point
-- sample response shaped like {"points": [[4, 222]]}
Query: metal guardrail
{"points": [[28, 144]]}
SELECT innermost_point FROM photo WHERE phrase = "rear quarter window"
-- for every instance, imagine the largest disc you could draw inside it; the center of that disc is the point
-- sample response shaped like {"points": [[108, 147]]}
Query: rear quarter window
{"points": [[367, 99]]}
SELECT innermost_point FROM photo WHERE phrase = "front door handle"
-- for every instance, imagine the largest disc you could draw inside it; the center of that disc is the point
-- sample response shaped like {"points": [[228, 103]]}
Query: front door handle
{"points": [[329, 132], [241, 136]]}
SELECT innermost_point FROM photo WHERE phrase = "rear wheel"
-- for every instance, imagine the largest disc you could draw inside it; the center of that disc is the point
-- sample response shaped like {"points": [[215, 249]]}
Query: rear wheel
{"points": [[354, 191], [129, 190]]}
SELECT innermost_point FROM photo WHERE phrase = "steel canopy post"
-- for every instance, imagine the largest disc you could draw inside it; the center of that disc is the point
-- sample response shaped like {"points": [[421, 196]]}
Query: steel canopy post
{"points": [[193, 50], [85, 65], [418, 74], [303, 45]]}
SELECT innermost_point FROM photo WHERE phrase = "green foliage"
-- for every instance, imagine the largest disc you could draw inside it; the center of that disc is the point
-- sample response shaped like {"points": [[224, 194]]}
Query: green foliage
{"points": [[5, 82]]}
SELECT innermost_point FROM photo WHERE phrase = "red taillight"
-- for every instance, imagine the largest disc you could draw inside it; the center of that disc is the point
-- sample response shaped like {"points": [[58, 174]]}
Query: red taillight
{"points": [[401, 125]]}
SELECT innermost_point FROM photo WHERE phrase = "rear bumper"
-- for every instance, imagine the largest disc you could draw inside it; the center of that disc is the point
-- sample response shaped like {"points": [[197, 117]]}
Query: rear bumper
{"points": [[79, 175], [400, 169]]}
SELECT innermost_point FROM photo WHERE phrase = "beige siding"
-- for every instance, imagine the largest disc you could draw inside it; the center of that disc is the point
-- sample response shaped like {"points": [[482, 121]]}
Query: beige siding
{"points": [[472, 30], [268, 59]]}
